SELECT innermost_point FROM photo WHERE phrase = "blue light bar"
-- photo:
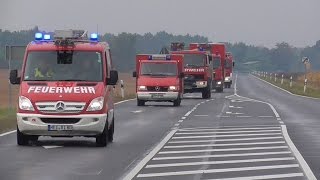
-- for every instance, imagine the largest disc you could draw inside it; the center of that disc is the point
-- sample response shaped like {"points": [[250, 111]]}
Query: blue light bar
{"points": [[47, 37], [94, 37], [168, 57], [159, 57], [38, 36]]}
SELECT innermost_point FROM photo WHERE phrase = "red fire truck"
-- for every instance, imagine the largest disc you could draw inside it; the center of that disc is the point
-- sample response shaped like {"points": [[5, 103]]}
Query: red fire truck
{"points": [[66, 88], [198, 72], [159, 78], [229, 64], [218, 51]]}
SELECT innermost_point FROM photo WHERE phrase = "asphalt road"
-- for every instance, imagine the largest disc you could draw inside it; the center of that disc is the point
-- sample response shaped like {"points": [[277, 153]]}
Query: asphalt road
{"points": [[238, 133]]}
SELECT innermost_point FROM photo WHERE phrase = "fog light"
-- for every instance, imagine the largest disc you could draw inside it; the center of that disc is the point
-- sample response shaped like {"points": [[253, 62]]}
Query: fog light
{"points": [[25, 118]]}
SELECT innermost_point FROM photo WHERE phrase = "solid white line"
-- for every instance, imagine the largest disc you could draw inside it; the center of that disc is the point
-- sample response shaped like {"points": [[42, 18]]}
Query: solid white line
{"points": [[183, 117], [7, 133], [305, 167], [224, 116], [273, 176], [266, 116], [225, 140], [228, 112], [229, 135], [243, 116], [223, 150], [222, 155], [229, 132], [145, 160], [124, 101], [180, 121], [207, 171], [286, 90], [221, 145], [219, 162], [228, 129]]}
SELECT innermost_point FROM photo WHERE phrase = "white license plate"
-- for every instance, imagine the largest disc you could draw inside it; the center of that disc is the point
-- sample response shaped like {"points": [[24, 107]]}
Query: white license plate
{"points": [[156, 95], [60, 127]]}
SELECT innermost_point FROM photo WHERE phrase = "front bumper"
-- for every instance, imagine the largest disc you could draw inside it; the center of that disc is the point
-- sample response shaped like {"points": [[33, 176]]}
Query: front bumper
{"points": [[157, 96], [88, 125]]}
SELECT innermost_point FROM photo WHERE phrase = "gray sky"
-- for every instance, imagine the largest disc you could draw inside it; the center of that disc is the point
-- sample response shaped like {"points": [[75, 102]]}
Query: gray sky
{"points": [[258, 22]]}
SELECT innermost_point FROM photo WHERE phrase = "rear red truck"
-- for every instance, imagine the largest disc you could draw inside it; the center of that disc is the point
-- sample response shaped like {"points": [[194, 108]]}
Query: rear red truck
{"points": [[229, 64], [218, 51], [159, 78], [66, 88], [197, 67]]}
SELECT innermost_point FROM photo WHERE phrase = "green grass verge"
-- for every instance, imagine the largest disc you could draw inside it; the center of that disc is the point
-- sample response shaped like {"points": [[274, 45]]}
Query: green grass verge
{"points": [[297, 88], [7, 120]]}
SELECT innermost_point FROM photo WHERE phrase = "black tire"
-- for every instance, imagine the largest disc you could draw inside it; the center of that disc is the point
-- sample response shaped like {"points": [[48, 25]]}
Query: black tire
{"points": [[140, 102], [111, 131], [219, 89], [206, 93], [22, 139], [177, 102], [102, 139]]}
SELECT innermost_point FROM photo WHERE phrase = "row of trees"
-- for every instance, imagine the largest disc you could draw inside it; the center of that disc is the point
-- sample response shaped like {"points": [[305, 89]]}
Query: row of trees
{"points": [[124, 46]]}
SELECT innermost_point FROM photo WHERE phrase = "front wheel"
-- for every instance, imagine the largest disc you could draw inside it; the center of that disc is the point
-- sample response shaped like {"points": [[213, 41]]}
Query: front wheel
{"points": [[102, 139], [22, 139], [111, 131], [140, 102], [177, 102]]}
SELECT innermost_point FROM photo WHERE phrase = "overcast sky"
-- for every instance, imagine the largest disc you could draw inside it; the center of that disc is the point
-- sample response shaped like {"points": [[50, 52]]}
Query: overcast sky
{"points": [[258, 22]]}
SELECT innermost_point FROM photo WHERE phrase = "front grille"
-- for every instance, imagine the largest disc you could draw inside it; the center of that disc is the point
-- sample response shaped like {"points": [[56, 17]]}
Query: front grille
{"points": [[69, 107], [157, 88], [60, 120], [194, 77]]}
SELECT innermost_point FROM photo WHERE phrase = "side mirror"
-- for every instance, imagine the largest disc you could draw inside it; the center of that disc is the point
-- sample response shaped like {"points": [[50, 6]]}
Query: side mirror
{"points": [[232, 64], [181, 75], [113, 78], [14, 79], [134, 74]]}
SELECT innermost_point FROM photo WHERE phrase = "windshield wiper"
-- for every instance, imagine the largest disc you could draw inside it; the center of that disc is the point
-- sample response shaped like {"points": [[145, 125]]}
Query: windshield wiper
{"points": [[72, 80], [191, 65]]}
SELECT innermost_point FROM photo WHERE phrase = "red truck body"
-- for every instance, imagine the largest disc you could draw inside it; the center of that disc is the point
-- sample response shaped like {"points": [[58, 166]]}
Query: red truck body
{"points": [[218, 51], [198, 72], [159, 78], [228, 70]]}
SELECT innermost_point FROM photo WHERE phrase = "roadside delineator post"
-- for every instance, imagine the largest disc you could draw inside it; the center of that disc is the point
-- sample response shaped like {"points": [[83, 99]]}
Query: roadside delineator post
{"points": [[281, 79], [122, 88], [270, 76], [290, 81], [275, 77], [305, 86]]}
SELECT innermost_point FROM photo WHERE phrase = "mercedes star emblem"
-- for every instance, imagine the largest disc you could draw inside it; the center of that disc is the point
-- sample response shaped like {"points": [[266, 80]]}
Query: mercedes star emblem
{"points": [[157, 88], [60, 106]]}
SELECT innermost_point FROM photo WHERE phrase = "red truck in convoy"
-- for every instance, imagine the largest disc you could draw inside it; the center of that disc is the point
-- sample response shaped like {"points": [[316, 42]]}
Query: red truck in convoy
{"points": [[159, 78], [218, 51], [229, 64], [66, 88], [198, 72]]}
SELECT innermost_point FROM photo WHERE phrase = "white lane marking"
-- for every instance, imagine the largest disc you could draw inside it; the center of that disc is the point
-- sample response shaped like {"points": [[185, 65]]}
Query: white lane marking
{"points": [[228, 129], [180, 121], [177, 124], [236, 101], [145, 160], [236, 107], [124, 101], [137, 111], [281, 122], [229, 135], [221, 145], [305, 167], [286, 90], [273, 176], [51, 147], [225, 140], [221, 155], [220, 162], [224, 116], [228, 112], [183, 117], [7, 133], [278, 119], [243, 116], [224, 150], [188, 113], [208, 171], [201, 115], [230, 132], [265, 116]]}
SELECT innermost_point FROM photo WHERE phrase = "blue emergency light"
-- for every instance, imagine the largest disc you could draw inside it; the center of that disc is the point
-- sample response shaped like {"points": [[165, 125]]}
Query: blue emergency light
{"points": [[201, 49], [159, 57], [38, 36], [47, 37], [94, 37]]}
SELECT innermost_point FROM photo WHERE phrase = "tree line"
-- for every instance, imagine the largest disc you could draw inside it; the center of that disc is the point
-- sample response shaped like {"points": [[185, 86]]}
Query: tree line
{"points": [[124, 46]]}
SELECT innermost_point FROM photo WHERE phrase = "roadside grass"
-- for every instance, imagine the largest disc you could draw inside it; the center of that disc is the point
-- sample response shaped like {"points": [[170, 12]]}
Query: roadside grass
{"points": [[297, 87], [8, 117]]}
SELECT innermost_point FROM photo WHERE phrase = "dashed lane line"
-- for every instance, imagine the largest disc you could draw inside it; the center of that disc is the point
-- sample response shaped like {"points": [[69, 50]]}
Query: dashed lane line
{"points": [[207, 171], [225, 140], [221, 155], [220, 162], [273, 176]]}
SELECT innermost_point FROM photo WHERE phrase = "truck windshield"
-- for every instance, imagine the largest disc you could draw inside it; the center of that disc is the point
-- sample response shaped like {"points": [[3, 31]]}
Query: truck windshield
{"points": [[216, 62], [159, 69], [64, 66], [194, 60]]}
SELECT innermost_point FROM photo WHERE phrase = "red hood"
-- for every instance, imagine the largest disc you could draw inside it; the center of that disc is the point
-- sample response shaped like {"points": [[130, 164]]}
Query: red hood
{"points": [[158, 81], [57, 91]]}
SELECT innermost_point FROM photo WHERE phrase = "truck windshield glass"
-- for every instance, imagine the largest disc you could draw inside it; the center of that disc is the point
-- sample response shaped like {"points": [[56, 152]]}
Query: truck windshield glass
{"points": [[159, 69], [194, 60], [64, 66], [216, 62]]}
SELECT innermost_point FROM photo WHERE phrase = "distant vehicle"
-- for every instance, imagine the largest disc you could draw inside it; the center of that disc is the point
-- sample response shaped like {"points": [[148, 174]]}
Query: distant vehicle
{"points": [[218, 51], [66, 88], [229, 64], [159, 78], [198, 70]]}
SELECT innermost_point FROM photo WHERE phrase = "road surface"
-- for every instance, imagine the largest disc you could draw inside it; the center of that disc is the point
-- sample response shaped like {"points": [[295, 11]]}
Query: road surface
{"points": [[246, 131]]}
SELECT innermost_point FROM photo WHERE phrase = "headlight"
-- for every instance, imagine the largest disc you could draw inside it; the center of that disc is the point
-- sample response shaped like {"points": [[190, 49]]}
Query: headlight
{"points": [[173, 88], [142, 88], [202, 83], [25, 104], [96, 104], [219, 82]]}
